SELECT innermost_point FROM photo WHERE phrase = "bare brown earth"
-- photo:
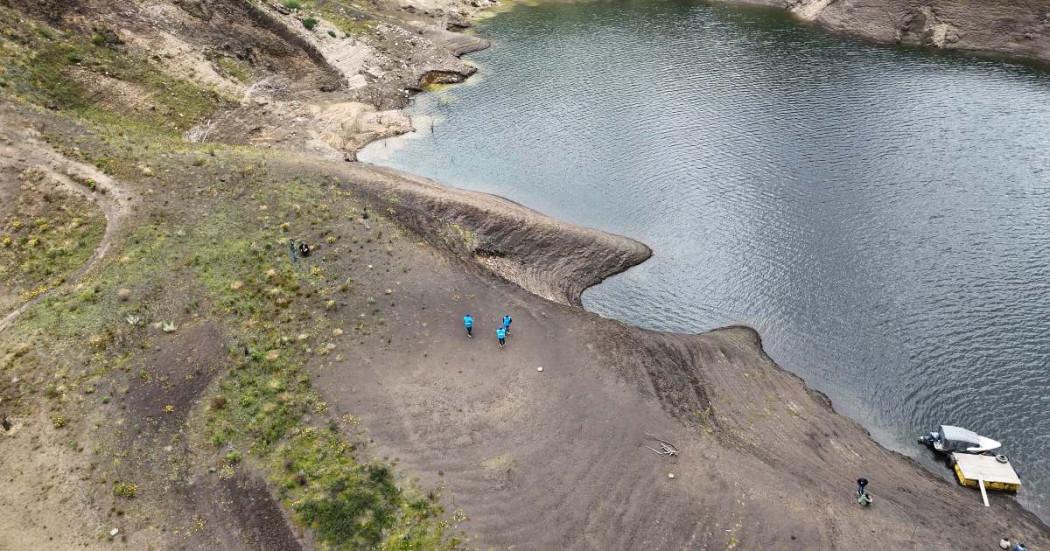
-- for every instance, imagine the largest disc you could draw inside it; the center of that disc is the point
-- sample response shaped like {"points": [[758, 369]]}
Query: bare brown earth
{"points": [[1015, 28], [556, 459], [534, 460]]}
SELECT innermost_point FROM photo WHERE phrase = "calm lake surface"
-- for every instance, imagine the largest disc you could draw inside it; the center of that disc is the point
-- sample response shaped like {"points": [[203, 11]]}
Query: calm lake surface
{"points": [[880, 215]]}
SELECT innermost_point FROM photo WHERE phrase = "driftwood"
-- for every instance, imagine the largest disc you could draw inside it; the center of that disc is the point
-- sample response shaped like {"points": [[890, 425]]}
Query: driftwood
{"points": [[666, 448]]}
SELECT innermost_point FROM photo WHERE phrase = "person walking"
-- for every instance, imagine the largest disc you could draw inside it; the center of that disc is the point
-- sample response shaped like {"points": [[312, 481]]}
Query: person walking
{"points": [[501, 335], [863, 497], [468, 322], [293, 251], [506, 322]]}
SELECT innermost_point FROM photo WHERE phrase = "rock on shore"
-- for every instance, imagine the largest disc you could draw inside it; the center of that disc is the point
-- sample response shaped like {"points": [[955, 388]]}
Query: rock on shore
{"points": [[1007, 27]]}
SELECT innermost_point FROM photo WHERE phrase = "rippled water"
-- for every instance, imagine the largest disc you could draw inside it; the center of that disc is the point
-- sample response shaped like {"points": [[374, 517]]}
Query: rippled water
{"points": [[881, 216]]}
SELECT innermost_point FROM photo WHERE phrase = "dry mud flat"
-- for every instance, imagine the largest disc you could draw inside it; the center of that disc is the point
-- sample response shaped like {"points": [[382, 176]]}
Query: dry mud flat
{"points": [[557, 459]]}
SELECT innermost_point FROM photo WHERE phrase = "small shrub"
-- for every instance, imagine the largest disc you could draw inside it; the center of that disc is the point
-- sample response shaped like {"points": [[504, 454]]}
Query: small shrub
{"points": [[233, 457], [292, 4], [59, 421], [310, 23], [125, 489]]}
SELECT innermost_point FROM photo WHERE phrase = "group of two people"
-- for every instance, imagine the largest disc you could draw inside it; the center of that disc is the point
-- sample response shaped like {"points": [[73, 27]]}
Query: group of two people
{"points": [[302, 250], [501, 331]]}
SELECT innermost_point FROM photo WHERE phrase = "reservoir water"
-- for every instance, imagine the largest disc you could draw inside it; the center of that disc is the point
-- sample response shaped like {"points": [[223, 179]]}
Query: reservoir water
{"points": [[880, 215]]}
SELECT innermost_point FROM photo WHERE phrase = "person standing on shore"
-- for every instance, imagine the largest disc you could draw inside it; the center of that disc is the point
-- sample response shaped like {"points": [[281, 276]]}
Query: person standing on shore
{"points": [[506, 322], [863, 498], [501, 335], [468, 322]]}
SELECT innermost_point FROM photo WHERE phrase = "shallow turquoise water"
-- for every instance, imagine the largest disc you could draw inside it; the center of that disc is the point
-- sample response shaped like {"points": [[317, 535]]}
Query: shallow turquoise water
{"points": [[881, 216]]}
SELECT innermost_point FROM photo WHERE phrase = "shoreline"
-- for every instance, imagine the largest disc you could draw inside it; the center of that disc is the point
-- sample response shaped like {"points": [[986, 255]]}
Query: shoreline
{"points": [[233, 385], [524, 271], [686, 374]]}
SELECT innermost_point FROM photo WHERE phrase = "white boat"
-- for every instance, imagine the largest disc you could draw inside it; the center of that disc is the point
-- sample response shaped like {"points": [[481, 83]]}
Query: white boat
{"points": [[950, 439]]}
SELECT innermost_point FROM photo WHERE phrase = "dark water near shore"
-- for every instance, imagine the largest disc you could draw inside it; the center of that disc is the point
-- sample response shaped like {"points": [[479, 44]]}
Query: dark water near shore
{"points": [[881, 216]]}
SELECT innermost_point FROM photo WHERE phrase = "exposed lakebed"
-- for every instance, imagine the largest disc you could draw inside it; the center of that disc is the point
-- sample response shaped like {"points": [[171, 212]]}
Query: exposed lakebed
{"points": [[881, 216]]}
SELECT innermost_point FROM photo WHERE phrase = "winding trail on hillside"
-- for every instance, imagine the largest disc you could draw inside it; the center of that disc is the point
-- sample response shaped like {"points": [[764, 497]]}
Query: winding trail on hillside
{"points": [[115, 201]]}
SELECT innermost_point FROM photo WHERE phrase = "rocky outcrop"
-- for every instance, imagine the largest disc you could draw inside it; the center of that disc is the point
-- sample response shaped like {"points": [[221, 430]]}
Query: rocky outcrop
{"points": [[1005, 27]]}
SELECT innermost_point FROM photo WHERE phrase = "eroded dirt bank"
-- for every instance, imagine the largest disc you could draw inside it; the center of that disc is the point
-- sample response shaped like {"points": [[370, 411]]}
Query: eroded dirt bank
{"points": [[557, 459], [1017, 28]]}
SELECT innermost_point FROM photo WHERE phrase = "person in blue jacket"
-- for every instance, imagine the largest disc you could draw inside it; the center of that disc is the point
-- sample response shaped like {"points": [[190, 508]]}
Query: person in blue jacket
{"points": [[501, 335], [468, 322], [506, 322]]}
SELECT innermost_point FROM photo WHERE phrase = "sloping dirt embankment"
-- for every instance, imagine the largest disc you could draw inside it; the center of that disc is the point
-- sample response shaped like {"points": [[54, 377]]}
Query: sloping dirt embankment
{"points": [[765, 460], [551, 259], [768, 461]]}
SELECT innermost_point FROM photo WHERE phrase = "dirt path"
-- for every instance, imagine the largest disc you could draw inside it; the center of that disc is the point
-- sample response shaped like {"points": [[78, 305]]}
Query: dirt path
{"points": [[25, 151]]}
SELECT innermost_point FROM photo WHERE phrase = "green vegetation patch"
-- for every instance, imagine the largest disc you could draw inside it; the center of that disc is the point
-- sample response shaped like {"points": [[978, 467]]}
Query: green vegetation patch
{"points": [[97, 78], [217, 251], [350, 504], [209, 245], [347, 17], [47, 235], [125, 489], [355, 505], [234, 68]]}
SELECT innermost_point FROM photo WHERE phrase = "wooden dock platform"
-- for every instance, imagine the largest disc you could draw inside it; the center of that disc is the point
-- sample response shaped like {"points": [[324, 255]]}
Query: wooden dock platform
{"points": [[997, 475]]}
